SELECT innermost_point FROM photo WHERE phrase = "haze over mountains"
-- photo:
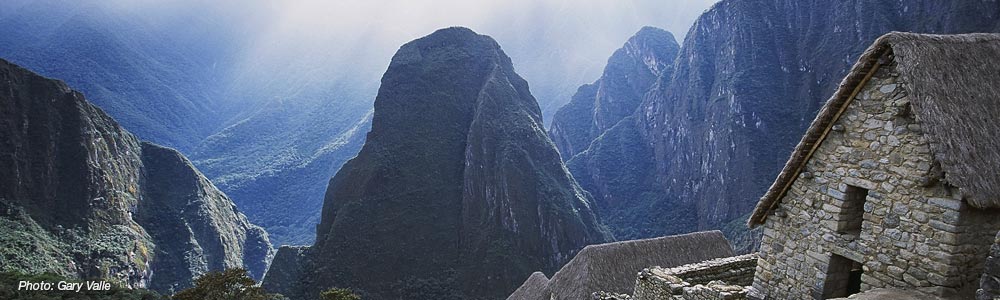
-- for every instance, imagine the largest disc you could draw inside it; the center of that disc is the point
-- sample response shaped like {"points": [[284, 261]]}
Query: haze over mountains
{"points": [[447, 184], [268, 100]]}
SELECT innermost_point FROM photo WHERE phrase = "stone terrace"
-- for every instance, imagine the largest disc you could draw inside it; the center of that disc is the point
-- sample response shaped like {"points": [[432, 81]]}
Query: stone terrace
{"points": [[723, 278]]}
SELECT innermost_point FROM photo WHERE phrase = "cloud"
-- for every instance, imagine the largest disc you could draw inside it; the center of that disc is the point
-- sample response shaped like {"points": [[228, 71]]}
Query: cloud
{"points": [[555, 44]]}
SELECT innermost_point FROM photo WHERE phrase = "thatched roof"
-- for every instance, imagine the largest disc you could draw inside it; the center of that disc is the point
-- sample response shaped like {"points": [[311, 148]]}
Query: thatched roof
{"points": [[535, 288], [954, 83], [612, 267]]}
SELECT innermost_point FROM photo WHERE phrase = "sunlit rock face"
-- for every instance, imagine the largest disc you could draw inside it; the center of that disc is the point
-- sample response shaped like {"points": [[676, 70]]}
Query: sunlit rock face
{"points": [[458, 193], [84, 198]]}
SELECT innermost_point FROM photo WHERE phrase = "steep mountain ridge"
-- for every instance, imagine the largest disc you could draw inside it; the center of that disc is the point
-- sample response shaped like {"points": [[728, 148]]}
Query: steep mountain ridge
{"points": [[732, 127], [629, 74], [604, 153], [82, 197], [750, 76], [457, 192], [254, 98]]}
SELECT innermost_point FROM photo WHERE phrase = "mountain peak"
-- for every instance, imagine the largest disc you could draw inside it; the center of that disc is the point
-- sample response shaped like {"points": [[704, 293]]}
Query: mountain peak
{"points": [[452, 43], [650, 32], [455, 36], [461, 62], [644, 59], [654, 42], [455, 32], [457, 185]]}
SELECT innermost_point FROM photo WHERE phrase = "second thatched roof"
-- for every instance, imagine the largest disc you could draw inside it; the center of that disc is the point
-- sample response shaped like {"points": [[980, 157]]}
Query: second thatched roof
{"points": [[612, 267], [954, 81]]}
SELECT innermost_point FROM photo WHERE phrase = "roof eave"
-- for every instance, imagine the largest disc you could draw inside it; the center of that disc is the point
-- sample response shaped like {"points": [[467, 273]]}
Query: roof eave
{"points": [[859, 74]]}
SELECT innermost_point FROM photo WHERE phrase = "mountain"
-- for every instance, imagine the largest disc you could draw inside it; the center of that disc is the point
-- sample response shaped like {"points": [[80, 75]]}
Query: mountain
{"points": [[155, 75], [286, 150], [269, 99], [284, 153], [82, 197], [630, 72], [707, 141], [608, 158], [185, 75], [457, 193]]}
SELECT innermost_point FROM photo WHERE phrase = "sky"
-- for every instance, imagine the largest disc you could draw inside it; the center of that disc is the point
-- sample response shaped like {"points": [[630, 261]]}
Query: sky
{"points": [[298, 50], [556, 45]]}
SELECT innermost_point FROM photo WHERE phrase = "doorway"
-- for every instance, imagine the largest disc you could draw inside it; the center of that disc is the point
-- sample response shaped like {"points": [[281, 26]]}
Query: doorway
{"points": [[843, 277]]}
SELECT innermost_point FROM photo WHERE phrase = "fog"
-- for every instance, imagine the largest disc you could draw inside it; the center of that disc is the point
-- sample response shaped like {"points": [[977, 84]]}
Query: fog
{"points": [[300, 48]]}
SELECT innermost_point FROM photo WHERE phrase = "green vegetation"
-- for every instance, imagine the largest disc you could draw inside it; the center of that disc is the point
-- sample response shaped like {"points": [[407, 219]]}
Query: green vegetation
{"points": [[284, 154], [338, 294], [9, 289], [226, 285], [26, 247]]}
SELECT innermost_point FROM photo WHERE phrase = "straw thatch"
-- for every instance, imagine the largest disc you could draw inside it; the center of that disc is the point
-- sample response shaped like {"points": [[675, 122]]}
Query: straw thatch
{"points": [[954, 83], [612, 267], [535, 288]]}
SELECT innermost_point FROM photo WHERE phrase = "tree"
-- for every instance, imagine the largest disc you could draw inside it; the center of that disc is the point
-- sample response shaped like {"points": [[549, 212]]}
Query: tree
{"points": [[339, 294], [225, 285]]}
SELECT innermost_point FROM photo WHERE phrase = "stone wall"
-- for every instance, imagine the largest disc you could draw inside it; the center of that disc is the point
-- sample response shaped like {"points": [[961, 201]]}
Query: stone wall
{"points": [[715, 290], [989, 284], [649, 285], [916, 231], [610, 296], [722, 278]]}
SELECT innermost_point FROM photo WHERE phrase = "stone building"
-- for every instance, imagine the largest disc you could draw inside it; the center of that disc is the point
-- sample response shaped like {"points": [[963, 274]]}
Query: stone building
{"points": [[895, 183], [989, 286], [726, 278]]}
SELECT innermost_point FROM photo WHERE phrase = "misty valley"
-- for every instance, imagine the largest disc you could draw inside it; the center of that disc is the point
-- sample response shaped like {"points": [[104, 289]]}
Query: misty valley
{"points": [[519, 150]]}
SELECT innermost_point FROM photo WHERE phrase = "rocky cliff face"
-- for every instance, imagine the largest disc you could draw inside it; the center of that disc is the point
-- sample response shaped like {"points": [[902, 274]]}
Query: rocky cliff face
{"points": [[750, 76], [630, 72], [196, 228], [607, 157], [82, 197], [457, 193]]}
